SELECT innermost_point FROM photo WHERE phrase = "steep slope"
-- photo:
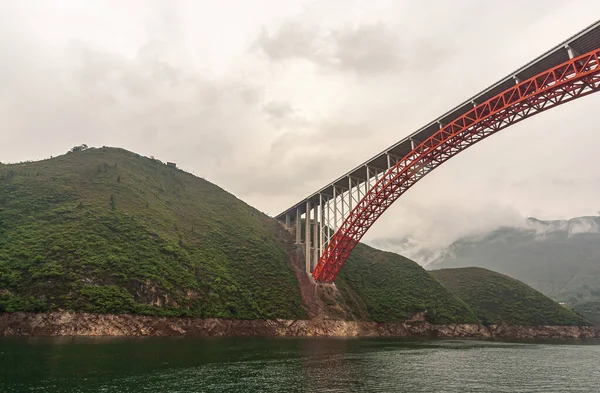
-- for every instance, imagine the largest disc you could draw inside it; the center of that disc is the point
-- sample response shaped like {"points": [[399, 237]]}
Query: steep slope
{"points": [[590, 310], [106, 230], [558, 258], [496, 298], [391, 287]]}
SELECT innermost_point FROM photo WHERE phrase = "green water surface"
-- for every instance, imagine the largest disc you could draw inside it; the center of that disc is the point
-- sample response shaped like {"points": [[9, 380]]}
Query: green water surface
{"points": [[296, 365]]}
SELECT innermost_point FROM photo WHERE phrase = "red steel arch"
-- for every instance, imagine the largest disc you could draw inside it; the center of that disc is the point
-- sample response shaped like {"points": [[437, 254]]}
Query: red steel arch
{"points": [[572, 79]]}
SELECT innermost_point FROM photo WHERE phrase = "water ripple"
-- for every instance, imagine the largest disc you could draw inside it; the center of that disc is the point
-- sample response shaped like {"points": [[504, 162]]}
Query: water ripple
{"points": [[297, 365]]}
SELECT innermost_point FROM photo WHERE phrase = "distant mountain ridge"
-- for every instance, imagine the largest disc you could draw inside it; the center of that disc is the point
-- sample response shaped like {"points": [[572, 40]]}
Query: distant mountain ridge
{"points": [[560, 258]]}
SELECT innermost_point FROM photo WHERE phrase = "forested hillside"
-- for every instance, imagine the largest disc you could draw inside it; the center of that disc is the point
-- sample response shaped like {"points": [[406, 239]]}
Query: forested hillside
{"points": [[109, 231], [499, 299], [106, 230]]}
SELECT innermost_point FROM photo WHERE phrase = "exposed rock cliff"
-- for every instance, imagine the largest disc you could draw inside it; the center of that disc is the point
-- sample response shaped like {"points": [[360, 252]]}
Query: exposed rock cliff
{"points": [[82, 324]]}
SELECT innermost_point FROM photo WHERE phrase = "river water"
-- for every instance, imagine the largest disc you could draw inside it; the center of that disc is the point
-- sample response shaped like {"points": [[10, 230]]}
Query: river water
{"points": [[296, 365]]}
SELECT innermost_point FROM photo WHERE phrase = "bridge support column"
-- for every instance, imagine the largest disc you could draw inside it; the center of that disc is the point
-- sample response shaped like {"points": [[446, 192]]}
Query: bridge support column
{"points": [[298, 226], [307, 238], [571, 52], [335, 212], [321, 228], [288, 221], [315, 236], [349, 194]]}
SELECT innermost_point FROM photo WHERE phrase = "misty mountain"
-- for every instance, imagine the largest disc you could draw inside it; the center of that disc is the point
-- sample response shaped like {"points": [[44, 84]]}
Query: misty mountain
{"points": [[559, 258]]}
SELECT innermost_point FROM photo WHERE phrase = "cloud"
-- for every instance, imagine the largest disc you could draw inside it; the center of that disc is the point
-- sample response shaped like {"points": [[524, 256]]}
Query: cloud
{"points": [[368, 49], [361, 49], [278, 110], [298, 160], [292, 40], [155, 102]]}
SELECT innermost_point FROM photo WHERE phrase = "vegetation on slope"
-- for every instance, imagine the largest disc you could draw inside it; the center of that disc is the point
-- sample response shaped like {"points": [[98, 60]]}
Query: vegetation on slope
{"points": [[590, 310], [105, 230], [392, 287], [108, 231], [496, 298]]}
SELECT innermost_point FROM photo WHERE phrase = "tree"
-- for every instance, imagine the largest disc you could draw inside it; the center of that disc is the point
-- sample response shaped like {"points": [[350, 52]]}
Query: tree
{"points": [[78, 148]]}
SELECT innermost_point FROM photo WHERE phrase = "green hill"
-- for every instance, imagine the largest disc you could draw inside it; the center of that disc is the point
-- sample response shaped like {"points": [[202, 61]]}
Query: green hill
{"points": [[590, 310], [496, 298], [105, 230], [392, 287], [109, 231]]}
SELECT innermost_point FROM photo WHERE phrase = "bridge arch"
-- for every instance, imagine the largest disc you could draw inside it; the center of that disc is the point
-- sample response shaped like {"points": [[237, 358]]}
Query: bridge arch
{"points": [[512, 100]]}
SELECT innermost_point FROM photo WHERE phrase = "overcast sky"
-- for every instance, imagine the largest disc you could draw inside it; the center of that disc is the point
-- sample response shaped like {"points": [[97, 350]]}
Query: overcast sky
{"points": [[273, 99]]}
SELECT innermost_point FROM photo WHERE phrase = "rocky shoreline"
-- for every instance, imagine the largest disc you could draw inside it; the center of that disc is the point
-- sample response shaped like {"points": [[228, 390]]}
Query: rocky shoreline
{"points": [[82, 324]]}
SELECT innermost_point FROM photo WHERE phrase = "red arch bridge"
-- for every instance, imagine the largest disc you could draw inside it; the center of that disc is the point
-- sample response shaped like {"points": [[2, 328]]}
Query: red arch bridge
{"points": [[338, 215]]}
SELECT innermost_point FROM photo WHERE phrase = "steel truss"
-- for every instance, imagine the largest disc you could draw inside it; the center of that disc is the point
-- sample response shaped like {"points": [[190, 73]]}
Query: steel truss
{"points": [[570, 80]]}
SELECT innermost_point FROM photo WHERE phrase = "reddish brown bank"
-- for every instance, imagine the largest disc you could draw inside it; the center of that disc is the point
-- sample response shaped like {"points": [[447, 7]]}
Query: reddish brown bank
{"points": [[81, 324]]}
